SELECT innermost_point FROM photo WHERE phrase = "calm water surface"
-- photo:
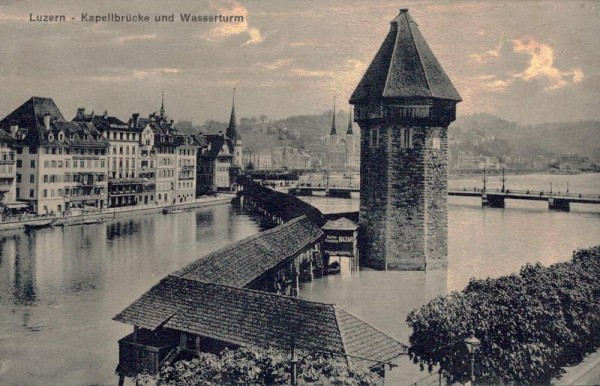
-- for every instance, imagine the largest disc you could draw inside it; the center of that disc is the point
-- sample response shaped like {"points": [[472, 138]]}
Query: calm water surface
{"points": [[59, 288]]}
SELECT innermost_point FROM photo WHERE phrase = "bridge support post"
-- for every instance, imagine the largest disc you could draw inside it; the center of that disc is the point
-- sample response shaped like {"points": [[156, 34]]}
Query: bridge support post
{"points": [[484, 199], [495, 201], [559, 204]]}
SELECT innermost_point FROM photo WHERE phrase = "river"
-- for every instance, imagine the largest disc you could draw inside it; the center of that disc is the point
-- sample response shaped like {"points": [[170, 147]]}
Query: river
{"points": [[59, 288]]}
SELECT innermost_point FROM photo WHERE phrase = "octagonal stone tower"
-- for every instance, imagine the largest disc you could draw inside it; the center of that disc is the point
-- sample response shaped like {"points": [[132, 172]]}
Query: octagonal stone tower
{"points": [[403, 105]]}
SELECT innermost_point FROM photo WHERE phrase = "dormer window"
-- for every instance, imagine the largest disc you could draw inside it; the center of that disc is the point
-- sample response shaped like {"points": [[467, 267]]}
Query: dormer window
{"points": [[50, 137], [61, 136]]}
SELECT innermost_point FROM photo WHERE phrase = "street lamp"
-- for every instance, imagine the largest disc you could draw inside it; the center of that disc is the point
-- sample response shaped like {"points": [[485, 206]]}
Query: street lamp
{"points": [[472, 345]]}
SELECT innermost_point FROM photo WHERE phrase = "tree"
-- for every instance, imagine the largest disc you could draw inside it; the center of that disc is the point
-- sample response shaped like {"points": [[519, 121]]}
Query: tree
{"points": [[249, 366], [530, 325]]}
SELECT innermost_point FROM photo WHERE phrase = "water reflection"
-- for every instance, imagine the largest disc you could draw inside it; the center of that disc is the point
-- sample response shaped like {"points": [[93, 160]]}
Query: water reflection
{"points": [[122, 229], [25, 289]]}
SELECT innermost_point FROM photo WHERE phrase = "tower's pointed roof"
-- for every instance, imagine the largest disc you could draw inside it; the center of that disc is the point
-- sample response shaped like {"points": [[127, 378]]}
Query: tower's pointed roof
{"points": [[404, 67], [231, 129], [333, 128], [162, 105], [349, 131]]}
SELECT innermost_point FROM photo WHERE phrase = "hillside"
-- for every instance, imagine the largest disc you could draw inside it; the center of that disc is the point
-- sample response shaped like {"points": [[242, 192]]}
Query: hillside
{"points": [[479, 134]]}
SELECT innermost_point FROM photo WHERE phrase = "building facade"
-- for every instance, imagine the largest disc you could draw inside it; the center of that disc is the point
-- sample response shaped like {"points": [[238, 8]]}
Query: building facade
{"points": [[124, 184], [221, 160], [404, 104], [60, 165], [8, 169], [341, 152]]}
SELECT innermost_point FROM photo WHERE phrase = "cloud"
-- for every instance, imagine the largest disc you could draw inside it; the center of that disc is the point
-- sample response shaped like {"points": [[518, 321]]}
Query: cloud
{"points": [[128, 38], [541, 65], [277, 64], [487, 56], [154, 72], [7, 17], [456, 7], [151, 73], [228, 29], [305, 73]]}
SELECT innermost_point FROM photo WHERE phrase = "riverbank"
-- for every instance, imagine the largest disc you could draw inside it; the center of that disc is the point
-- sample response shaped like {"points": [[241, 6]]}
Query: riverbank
{"points": [[113, 213]]}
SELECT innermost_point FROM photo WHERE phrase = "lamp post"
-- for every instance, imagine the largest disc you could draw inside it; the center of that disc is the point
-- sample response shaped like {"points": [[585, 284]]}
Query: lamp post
{"points": [[472, 345]]}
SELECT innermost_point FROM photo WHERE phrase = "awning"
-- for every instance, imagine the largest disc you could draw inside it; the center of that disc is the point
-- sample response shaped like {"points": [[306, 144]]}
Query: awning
{"points": [[17, 205]]}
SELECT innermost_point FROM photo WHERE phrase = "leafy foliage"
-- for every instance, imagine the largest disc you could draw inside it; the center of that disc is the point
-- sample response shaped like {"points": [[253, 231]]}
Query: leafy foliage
{"points": [[248, 366], [530, 325]]}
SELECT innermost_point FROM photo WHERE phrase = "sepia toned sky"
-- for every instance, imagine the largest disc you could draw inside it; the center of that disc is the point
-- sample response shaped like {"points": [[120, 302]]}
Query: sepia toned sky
{"points": [[525, 61]]}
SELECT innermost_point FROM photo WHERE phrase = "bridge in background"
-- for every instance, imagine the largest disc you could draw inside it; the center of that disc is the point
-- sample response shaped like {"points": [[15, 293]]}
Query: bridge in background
{"points": [[494, 198]]}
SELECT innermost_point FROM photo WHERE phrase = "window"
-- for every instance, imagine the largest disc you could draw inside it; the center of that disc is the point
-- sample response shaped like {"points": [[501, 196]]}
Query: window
{"points": [[32, 178], [19, 163], [436, 143], [45, 193], [45, 178], [18, 177], [32, 163], [406, 138], [31, 193], [19, 150], [53, 164]]}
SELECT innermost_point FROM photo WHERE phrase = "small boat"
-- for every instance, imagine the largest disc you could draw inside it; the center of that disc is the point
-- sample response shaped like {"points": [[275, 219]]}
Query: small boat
{"points": [[333, 268], [93, 221], [174, 209], [87, 221], [39, 224]]}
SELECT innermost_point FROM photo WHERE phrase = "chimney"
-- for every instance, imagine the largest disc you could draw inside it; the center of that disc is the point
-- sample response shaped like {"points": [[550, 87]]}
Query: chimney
{"points": [[221, 133], [80, 112], [172, 121], [14, 127], [136, 117], [47, 121], [105, 113]]}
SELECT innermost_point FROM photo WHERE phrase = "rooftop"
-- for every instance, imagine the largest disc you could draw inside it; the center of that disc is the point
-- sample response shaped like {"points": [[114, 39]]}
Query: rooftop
{"points": [[340, 224], [245, 317], [240, 263], [404, 67]]}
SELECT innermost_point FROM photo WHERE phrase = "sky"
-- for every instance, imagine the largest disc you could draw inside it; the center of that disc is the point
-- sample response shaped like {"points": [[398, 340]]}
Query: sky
{"points": [[524, 61]]}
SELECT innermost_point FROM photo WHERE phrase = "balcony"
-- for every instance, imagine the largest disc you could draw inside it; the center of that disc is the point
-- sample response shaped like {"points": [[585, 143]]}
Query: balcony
{"points": [[146, 353]]}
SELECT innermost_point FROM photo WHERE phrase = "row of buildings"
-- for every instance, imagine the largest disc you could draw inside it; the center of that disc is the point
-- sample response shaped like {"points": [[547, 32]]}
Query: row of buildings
{"points": [[341, 152], [282, 157], [51, 165]]}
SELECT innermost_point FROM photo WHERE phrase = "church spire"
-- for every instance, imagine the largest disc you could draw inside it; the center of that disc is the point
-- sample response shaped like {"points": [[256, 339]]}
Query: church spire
{"points": [[349, 131], [162, 105], [333, 129], [231, 129]]}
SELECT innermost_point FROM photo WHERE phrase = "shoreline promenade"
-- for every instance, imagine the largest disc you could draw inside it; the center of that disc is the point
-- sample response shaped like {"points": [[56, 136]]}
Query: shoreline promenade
{"points": [[110, 213]]}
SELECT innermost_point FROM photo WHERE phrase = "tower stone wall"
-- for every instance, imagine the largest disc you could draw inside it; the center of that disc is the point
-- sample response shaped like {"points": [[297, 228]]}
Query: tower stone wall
{"points": [[403, 105]]}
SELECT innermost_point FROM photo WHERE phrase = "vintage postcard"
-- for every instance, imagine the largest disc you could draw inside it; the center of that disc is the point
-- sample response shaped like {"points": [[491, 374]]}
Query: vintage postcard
{"points": [[300, 192]]}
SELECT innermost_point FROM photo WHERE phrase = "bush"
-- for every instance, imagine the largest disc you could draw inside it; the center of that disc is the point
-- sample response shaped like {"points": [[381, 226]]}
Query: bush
{"points": [[248, 366], [531, 325]]}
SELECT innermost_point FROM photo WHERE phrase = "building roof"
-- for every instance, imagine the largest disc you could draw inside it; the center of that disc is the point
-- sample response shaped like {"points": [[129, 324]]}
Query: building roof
{"points": [[333, 125], [340, 224], [240, 263], [349, 131], [404, 67], [253, 318], [232, 132], [30, 119], [217, 141]]}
